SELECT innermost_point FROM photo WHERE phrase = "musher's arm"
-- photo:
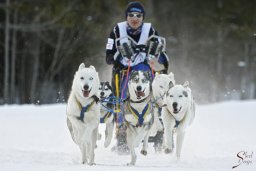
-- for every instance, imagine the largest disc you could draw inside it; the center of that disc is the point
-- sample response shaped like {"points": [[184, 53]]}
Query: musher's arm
{"points": [[111, 46], [163, 57]]}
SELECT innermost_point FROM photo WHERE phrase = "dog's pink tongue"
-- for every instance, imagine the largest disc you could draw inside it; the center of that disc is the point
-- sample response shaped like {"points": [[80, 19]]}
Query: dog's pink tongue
{"points": [[86, 93], [140, 94]]}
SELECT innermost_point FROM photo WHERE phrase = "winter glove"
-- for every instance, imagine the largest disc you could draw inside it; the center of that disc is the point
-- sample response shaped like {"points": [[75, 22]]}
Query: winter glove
{"points": [[110, 59]]}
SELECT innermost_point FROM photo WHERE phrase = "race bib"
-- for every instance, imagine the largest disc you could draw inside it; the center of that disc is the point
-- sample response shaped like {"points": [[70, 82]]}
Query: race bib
{"points": [[110, 44]]}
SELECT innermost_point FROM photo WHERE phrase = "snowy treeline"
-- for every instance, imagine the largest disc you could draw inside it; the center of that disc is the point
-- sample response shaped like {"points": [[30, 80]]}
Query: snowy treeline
{"points": [[210, 43]]}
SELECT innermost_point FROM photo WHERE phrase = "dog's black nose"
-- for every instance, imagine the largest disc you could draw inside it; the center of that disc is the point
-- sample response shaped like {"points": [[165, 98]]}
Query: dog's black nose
{"points": [[86, 87], [102, 93], [139, 88], [174, 105]]}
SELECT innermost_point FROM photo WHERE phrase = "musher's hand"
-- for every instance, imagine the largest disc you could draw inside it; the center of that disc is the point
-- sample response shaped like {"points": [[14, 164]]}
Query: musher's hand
{"points": [[138, 56], [150, 57], [140, 48]]}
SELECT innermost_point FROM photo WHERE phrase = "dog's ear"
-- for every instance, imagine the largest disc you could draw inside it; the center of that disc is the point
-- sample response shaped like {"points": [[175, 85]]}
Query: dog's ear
{"points": [[186, 84], [92, 67], [133, 73], [185, 93], [81, 66], [108, 85], [171, 76], [170, 84]]}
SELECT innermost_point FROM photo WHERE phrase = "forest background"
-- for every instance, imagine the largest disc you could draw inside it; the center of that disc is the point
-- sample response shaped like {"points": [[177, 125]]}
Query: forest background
{"points": [[210, 43]]}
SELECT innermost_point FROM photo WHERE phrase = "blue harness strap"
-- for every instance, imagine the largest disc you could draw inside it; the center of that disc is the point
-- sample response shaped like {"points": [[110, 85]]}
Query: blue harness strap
{"points": [[85, 109], [176, 123], [138, 115], [102, 120]]}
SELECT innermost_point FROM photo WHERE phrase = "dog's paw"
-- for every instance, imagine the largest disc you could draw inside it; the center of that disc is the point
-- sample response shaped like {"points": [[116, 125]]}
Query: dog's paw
{"points": [[91, 164], [106, 143], [130, 164], [167, 150], [99, 136], [144, 152]]}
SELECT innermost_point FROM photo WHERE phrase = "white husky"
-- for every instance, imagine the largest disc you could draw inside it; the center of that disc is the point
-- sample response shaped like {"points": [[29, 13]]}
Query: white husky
{"points": [[83, 111], [160, 86], [138, 113], [178, 114]]}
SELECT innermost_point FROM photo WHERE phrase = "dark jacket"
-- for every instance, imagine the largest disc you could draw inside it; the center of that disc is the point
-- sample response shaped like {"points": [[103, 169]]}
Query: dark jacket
{"points": [[114, 35]]}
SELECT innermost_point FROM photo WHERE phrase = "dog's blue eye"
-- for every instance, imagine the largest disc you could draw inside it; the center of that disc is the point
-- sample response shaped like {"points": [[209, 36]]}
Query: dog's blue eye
{"points": [[91, 78], [81, 78]]}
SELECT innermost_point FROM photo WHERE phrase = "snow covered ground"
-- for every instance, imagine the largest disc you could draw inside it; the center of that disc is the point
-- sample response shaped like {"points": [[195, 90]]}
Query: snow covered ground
{"points": [[35, 138]]}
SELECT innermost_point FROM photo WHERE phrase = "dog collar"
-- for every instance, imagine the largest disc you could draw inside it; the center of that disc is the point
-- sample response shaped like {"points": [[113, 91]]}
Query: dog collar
{"points": [[138, 101]]}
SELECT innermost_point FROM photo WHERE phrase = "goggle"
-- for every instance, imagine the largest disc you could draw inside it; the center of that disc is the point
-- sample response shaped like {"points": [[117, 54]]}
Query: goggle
{"points": [[135, 15]]}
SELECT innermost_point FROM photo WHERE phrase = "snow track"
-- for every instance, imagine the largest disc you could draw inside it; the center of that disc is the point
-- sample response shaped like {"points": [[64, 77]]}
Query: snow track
{"points": [[36, 138]]}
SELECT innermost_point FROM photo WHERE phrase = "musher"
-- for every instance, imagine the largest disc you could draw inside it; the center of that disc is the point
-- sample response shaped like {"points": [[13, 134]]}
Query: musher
{"points": [[140, 32]]}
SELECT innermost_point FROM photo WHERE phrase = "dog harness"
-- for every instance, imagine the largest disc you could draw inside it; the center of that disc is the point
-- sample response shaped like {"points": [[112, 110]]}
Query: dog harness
{"points": [[139, 116], [107, 104], [177, 123], [103, 119], [155, 103], [87, 108]]}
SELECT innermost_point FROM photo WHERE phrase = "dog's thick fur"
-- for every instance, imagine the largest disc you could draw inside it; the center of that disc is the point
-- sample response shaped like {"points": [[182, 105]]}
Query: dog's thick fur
{"points": [[140, 94], [84, 130], [105, 91], [178, 114], [160, 86]]}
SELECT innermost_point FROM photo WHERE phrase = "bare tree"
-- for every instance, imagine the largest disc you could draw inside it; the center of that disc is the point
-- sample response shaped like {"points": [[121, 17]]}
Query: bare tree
{"points": [[13, 61], [6, 51]]}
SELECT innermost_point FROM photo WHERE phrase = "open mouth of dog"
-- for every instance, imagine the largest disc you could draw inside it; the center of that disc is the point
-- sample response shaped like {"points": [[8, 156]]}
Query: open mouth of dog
{"points": [[139, 94], [176, 110], [86, 92]]}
